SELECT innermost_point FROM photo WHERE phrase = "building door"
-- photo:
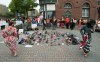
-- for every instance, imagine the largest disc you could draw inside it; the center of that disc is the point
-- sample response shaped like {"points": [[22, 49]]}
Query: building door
{"points": [[67, 14], [68, 7]]}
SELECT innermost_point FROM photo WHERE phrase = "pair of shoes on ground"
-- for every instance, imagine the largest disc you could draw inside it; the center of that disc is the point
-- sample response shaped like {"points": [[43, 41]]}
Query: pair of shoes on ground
{"points": [[80, 47], [85, 54], [15, 54]]}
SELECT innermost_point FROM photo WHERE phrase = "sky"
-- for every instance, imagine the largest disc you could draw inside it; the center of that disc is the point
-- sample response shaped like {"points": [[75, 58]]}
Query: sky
{"points": [[7, 2]]}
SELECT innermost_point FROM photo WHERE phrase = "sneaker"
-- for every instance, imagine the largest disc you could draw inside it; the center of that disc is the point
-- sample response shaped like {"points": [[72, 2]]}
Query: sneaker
{"points": [[80, 47]]}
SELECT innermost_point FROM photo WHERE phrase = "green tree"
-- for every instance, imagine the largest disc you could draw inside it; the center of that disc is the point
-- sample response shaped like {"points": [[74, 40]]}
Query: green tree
{"points": [[22, 6]]}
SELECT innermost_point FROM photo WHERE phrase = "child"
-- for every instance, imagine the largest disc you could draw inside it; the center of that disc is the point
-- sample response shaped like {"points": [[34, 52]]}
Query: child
{"points": [[83, 43], [86, 49], [89, 29]]}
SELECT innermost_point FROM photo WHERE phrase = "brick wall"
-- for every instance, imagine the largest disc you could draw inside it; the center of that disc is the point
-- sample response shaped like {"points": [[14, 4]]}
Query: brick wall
{"points": [[76, 10]]}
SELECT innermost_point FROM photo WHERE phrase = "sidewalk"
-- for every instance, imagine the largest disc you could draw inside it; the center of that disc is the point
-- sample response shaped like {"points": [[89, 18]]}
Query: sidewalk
{"points": [[44, 53], [39, 54]]}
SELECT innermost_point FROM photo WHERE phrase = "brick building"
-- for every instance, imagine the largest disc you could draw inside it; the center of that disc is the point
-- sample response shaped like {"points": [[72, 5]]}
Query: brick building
{"points": [[71, 8], [77, 8], [98, 8]]}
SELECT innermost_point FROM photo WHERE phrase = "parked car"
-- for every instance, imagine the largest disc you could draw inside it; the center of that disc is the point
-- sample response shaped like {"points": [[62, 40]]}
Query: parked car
{"points": [[97, 28]]}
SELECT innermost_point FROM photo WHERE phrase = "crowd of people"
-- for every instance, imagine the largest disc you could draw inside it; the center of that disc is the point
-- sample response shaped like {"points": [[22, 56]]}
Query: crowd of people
{"points": [[11, 32], [53, 22]]}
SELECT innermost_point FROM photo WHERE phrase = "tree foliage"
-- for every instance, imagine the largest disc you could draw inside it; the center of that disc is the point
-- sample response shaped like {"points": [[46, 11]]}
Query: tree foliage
{"points": [[22, 5]]}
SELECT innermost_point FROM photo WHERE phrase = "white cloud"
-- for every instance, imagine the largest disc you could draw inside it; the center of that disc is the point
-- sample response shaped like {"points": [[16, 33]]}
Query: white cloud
{"points": [[5, 2]]}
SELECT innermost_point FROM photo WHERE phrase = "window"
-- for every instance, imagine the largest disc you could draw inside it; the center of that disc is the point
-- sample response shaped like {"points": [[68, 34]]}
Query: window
{"points": [[98, 2], [33, 13], [41, 8], [86, 10], [50, 14], [68, 6], [50, 1]]}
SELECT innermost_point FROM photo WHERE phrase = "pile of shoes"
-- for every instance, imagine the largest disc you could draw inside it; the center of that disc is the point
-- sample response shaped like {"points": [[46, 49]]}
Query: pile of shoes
{"points": [[50, 38]]}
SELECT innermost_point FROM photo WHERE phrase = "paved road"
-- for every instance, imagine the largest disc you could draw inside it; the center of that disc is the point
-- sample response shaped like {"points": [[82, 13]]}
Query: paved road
{"points": [[46, 53]]}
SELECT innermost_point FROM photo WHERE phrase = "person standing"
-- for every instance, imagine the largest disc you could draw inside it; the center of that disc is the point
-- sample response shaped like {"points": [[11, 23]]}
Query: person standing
{"points": [[72, 24], [48, 23], [88, 28], [10, 34], [44, 24], [54, 23], [58, 23], [79, 23], [2, 26], [62, 22], [67, 21], [23, 19], [29, 24]]}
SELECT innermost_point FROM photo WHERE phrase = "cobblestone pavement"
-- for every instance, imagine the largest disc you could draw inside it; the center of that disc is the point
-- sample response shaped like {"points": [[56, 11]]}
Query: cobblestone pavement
{"points": [[39, 54], [46, 53]]}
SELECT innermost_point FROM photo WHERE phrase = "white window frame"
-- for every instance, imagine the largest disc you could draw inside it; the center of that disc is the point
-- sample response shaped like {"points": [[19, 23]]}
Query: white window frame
{"points": [[86, 10]]}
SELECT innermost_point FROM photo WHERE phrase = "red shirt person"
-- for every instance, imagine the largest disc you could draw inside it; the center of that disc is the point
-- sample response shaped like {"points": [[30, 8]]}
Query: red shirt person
{"points": [[67, 21]]}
